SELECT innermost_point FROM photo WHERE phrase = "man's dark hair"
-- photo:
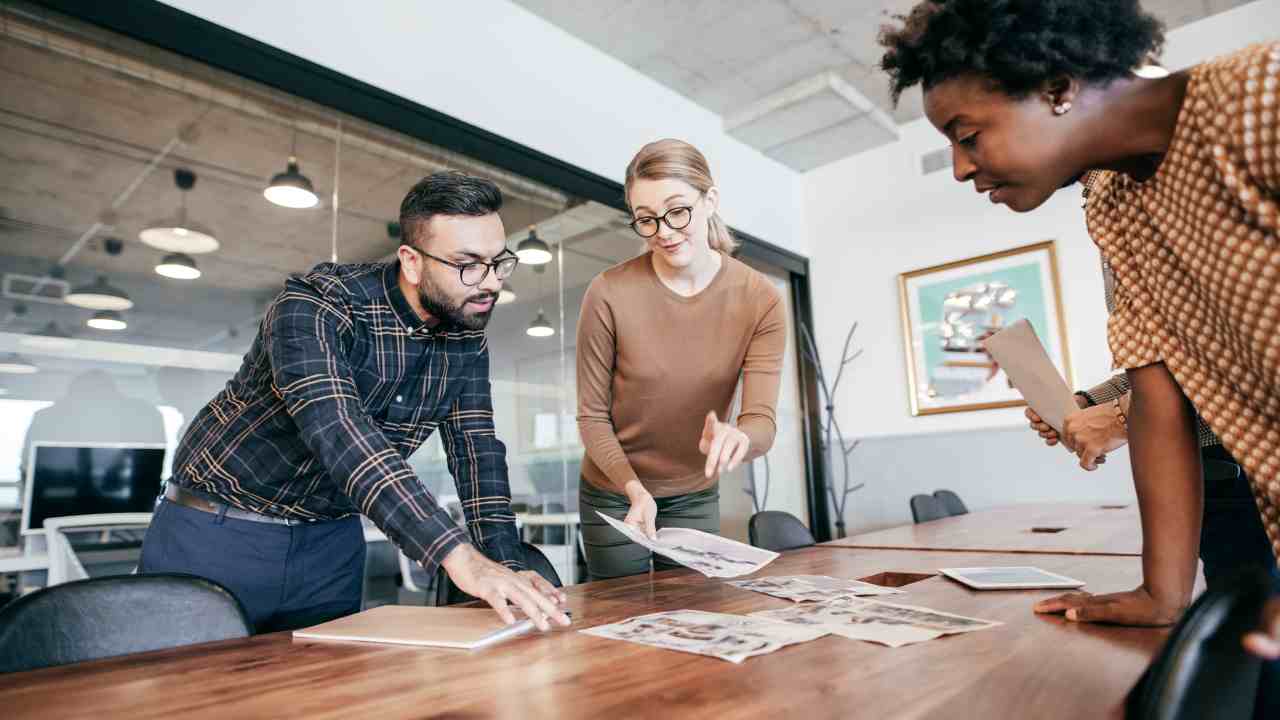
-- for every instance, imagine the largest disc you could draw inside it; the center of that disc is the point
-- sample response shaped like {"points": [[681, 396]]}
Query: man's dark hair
{"points": [[446, 193], [1018, 44]]}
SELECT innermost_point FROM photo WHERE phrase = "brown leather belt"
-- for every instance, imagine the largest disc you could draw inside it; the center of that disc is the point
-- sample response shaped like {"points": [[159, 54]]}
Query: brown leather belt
{"points": [[199, 501]]}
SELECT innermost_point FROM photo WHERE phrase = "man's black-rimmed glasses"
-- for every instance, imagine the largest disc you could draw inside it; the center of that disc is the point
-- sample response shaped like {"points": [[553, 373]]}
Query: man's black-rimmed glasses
{"points": [[474, 273]]}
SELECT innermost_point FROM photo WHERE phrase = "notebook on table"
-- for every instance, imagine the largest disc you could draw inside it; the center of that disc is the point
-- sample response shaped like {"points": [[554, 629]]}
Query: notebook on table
{"points": [[447, 627]]}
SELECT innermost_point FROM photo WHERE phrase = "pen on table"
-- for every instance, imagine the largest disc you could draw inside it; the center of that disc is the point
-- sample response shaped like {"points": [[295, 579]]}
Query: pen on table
{"points": [[512, 631]]}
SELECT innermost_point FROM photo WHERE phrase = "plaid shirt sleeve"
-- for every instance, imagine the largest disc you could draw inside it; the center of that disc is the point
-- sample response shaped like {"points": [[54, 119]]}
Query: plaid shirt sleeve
{"points": [[478, 462], [307, 334], [1106, 391]]}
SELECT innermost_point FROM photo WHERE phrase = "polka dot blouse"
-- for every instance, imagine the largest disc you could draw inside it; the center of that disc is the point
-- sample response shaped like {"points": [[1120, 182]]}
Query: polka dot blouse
{"points": [[1196, 254]]}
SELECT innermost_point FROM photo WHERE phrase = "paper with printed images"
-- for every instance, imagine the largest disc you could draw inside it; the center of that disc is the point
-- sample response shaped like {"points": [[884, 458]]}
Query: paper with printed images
{"points": [[728, 637], [879, 622], [811, 588], [709, 554]]}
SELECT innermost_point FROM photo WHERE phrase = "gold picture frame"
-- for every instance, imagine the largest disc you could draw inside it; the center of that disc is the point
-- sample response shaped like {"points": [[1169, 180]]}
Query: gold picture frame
{"points": [[956, 384]]}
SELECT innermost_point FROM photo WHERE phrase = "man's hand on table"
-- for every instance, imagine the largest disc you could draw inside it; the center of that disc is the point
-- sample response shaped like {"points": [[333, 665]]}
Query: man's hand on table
{"points": [[483, 578]]}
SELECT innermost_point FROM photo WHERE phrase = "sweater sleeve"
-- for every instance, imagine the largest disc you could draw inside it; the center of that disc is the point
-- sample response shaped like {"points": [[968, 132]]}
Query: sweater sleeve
{"points": [[761, 376], [597, 352]]}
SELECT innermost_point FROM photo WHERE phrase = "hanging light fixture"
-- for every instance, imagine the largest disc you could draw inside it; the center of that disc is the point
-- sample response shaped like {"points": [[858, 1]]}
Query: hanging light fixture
{"points": [[532, 250], [506, 295], [178, 266], [540, 328], [15, 364], [107, 320], [291, 188], [98, 295], [50, 337], [180, 234]]}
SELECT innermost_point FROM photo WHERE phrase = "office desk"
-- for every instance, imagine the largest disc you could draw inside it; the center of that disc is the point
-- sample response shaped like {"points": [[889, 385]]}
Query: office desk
{"points": [[1078, 529], [1033, 666]]}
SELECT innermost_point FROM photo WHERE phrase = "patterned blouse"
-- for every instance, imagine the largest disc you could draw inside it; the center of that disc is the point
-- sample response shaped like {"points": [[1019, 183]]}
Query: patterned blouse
{"points": [[1196, 255]]}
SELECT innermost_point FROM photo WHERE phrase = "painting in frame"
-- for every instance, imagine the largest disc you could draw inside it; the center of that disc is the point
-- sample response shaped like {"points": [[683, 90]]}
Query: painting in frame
{"points": [[947, 310]]}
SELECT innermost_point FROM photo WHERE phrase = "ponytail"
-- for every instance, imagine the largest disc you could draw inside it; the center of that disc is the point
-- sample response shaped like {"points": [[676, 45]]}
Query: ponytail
{"points": [[719, 237]]}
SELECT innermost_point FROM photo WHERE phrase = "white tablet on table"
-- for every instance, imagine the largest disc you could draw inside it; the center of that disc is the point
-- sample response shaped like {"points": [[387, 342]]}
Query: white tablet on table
{"points": [[1009, 578]]}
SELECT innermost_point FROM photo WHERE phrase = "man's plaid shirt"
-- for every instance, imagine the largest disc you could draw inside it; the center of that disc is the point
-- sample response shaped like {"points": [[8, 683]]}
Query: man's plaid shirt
{"points": [[343, 383]]}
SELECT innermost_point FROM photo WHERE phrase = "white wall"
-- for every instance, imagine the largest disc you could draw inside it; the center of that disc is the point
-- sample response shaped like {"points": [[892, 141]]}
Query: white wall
{"points": [[495, 65], [873, 216]]}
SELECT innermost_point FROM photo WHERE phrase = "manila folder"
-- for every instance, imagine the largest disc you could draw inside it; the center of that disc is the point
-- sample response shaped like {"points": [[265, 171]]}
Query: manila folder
{"points": [[411, 625]]}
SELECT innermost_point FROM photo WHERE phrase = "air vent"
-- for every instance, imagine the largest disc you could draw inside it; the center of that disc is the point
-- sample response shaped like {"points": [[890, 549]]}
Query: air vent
{"points": [[31, 288], [932, 162]]}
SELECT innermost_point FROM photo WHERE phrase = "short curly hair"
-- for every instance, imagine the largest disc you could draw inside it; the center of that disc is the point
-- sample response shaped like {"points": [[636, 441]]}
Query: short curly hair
{"points": [[1018, 44]]}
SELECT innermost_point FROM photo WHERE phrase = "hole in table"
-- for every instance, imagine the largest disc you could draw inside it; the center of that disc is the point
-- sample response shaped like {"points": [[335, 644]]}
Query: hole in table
{"points": [[1047, 529], [896, 579]]}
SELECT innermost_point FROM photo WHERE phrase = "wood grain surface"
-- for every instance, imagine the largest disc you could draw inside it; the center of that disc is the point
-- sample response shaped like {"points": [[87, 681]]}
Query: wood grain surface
{"points": [[1032, 666], [1077, 529]]}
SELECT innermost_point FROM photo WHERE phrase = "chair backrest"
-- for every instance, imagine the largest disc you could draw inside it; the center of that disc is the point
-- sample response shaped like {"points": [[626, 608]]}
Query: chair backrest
{"points": [[1203, 671], [951, 502], [446, 593], [108, 616], [777, 531], [925, 508]]}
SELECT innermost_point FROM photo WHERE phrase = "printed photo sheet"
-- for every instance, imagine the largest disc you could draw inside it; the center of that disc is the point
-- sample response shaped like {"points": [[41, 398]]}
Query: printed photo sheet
{"points": [[811, 588], [728, 637], [878, 622], [709, 554]]}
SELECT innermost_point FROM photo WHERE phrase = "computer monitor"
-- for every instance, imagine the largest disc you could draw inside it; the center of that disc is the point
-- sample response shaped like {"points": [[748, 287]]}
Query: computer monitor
{"points": [[89, 479]]}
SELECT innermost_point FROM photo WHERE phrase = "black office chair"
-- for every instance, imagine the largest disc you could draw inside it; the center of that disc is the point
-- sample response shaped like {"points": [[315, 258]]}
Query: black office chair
{"points": [[1203, 671], [925, 508], [777, 531], [446, 593], [117, 615], [951, 502]]}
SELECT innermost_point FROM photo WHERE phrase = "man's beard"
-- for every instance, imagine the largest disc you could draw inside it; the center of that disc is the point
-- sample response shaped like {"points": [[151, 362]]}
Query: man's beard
{"points": [[439, 306]]}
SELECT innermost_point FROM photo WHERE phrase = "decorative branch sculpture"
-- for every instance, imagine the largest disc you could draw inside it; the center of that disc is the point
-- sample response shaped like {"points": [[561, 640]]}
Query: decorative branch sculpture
{"points": [[839, 500]]}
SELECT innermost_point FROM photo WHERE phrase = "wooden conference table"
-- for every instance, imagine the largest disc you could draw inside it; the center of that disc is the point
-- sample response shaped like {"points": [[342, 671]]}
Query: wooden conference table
{"points": [[1076, 529], [1032, 666]]}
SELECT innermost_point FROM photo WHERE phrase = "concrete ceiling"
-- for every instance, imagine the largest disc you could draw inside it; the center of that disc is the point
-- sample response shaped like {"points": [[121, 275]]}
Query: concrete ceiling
{"points": [[796, 79], [79, 124]]}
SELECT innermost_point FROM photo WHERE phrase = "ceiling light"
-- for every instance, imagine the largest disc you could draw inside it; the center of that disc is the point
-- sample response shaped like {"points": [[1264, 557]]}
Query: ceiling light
{"points": [[99, 295], [178, 266], [180, 234], [15, 364], [107, 320], [291, 188], [50, 337], [506, 295], [540, 328], [532, 250], [1151, 71]]}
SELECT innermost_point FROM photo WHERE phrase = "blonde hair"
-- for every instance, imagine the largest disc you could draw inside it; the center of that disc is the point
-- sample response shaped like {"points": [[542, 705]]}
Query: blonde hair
{"points": [[677, 159]]}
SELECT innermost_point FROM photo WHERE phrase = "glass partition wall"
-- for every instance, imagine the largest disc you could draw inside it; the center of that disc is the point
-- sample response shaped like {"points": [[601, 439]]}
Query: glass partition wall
{"points": [[151, 207]]}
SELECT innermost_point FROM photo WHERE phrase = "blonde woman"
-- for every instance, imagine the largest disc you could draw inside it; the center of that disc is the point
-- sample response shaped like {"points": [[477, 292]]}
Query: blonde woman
{"points": [[662, 342]]}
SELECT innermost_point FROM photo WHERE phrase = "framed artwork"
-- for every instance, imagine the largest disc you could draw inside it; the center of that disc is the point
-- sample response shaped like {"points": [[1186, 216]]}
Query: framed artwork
{"points": [[947, 310]]}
